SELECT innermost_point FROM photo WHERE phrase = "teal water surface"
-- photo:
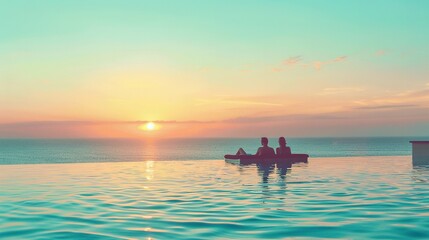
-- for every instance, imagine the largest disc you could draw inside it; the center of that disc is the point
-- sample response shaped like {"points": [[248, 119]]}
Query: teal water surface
{"points": [[351, 198], [24, 151]]}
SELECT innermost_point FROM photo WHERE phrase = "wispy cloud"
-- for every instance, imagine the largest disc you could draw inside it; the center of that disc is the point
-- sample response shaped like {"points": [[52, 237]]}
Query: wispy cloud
{"points": [[380, 52], [319, 64], [281, 118], [292, 61], [340, 59], [392, 106], [404, 99], [298, 61], [359, 121]]}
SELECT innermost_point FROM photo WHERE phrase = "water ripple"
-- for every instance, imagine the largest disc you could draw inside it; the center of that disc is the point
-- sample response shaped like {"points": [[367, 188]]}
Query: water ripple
{"points": [[328, 198]]}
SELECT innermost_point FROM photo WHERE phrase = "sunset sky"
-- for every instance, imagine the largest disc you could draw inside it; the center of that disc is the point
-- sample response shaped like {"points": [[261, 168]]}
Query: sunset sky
{"points": [[243, 68]]}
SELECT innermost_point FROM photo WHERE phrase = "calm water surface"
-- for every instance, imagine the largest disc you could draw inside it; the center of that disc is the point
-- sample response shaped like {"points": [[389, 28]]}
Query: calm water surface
{"points": [[23, 151], [353, 198]]}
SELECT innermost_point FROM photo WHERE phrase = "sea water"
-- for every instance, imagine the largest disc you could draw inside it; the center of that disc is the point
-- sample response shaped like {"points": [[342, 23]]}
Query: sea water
{"points": [[121, 189], [21, 151]]}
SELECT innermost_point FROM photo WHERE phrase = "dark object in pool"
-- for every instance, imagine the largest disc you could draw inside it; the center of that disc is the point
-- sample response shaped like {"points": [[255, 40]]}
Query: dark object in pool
{"points": [[250, 159], [420, 152]]}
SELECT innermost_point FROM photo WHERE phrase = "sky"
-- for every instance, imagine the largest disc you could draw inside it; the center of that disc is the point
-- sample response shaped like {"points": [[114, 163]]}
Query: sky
{"points": [[242, 68]]}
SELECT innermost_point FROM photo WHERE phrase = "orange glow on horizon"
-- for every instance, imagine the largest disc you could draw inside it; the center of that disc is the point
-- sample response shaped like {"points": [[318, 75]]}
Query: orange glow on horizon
{"points": [[149, 126]]}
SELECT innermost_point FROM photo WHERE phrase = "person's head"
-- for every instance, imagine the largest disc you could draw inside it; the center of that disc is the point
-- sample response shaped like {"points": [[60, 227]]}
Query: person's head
{"points": [[264, 141], [282, 141]]}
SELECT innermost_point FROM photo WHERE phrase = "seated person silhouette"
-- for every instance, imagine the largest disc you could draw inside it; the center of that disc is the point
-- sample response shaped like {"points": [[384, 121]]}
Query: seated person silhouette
{"points": [[283, 150], [264, 151]]}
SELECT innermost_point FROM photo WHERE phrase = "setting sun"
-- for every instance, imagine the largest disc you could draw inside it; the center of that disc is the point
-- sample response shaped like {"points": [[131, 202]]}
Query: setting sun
{"points": [[150, 126]]}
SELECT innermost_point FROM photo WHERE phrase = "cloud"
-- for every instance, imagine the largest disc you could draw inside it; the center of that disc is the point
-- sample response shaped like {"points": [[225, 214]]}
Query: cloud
{"points": [[292, 61], [282, 118], [391, 114], [361, 121], [287, 63], [398, 110], [413, 94], [405, 99], [297, 61], [379, 107], [340, 59], [319, 64], [380, 53], [277, 69]]}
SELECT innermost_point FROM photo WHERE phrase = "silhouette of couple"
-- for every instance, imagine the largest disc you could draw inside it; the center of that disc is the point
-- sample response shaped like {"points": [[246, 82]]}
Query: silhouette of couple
{"points": [[266, 151]]}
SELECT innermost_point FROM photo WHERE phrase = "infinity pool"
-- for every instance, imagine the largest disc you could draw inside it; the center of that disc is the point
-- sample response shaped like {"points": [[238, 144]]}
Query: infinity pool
{"points": [[360, 197]]}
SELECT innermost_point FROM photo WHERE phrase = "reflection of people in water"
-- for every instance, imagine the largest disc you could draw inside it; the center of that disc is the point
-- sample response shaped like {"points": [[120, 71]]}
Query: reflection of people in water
{"points": [[264, 151], [267, 186], [283, 150], [264, 170]]}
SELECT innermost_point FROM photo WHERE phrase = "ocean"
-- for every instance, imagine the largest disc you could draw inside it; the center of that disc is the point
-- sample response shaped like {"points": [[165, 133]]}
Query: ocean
{"points": [[27, 151], [351, 188]]}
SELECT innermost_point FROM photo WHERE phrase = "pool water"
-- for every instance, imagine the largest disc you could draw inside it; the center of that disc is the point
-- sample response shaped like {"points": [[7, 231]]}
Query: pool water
{"points": [[353, 198]]}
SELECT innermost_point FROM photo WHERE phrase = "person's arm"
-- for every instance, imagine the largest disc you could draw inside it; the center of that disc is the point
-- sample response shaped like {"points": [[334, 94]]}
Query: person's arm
{"points": [[277, 151], [288, 151]]}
